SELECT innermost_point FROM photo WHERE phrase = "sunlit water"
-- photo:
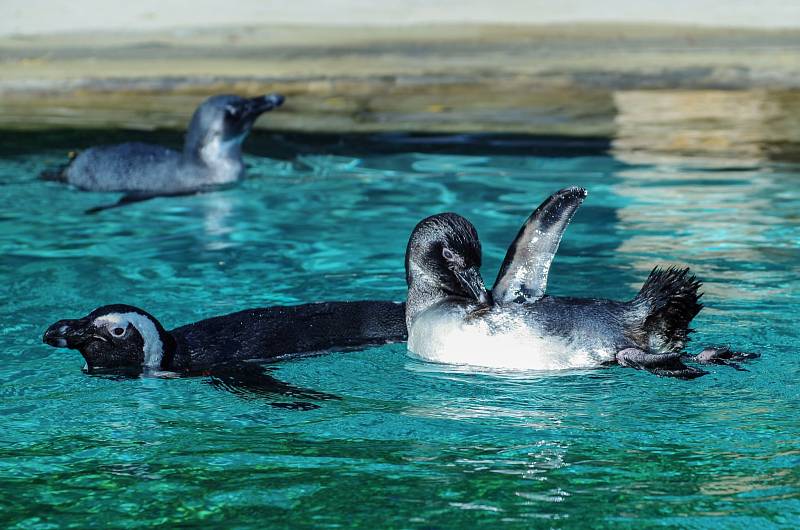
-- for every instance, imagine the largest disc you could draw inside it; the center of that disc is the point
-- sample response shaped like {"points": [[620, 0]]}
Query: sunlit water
{"points": [[409, 444]]}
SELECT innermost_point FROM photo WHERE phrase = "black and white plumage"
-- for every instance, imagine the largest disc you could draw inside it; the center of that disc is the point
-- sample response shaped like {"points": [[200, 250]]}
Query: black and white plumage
{"points": [[211, 156], [125, 338], [452, 317]]}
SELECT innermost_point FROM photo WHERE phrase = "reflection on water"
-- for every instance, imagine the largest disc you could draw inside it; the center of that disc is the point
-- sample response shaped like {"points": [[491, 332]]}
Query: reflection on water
{"points": [[410, 443], [695, 217]]}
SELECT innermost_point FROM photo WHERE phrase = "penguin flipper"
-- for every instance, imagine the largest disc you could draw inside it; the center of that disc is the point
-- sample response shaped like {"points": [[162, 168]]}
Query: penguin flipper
{"points": [[523, 275], [662, 364], [250, 380], [131, 198]]}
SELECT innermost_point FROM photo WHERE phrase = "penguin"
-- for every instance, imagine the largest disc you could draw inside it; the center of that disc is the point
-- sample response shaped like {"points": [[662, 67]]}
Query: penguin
{"points": [[125, 339], [211, 157], [452, 317]]}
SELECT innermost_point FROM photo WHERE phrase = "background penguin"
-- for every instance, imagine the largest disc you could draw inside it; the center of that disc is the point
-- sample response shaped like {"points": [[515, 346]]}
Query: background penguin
{"points": [[452, 318], [212, 155], [125, 338]]}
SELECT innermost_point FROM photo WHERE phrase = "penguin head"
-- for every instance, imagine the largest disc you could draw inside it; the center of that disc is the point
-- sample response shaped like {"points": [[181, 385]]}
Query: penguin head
{"points": [[113, 337], [221, 123], [444, 255]]}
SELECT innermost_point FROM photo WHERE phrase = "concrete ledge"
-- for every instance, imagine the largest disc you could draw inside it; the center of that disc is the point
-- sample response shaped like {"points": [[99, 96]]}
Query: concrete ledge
{"points": [[703, 89]]}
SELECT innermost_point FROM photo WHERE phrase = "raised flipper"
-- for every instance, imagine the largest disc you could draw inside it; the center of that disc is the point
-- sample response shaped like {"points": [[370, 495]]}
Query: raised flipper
{"points": [[523, 275], [724, 356], [250, 380], [131, 198], [663, 364]]}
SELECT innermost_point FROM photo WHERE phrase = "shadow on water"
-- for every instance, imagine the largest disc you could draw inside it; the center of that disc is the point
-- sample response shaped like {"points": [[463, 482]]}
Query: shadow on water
{"points": [[288, 145]]}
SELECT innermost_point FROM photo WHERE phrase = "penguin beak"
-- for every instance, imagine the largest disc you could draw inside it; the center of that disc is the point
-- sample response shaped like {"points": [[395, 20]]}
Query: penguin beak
{"points": [[472, 281], [255, 107], [68, 334]]}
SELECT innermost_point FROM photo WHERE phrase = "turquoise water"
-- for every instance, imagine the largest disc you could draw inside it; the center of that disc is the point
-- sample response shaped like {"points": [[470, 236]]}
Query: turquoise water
{"points": [[409, 444]]}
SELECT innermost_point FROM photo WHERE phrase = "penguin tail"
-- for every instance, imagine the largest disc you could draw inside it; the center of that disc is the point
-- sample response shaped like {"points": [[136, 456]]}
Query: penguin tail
{"points": [[664, 307], [55, 174], [58, 173]]}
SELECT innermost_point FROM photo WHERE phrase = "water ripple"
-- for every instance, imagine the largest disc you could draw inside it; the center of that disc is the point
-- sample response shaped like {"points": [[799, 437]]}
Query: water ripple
{"points": [[409, 444]]}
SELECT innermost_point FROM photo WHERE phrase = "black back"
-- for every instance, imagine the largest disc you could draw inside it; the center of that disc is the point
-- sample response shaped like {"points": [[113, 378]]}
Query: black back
{"points": [[280, 331]]}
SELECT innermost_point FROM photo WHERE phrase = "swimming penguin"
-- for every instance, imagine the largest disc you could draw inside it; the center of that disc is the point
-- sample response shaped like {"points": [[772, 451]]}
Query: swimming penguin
{"points": [[453, 318], [212, 155], [125, 338]]}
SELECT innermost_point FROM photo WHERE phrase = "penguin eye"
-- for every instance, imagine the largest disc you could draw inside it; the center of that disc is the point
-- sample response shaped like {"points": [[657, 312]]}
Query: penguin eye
{"points": [[447, 254], [118, 332], [232, 111]]}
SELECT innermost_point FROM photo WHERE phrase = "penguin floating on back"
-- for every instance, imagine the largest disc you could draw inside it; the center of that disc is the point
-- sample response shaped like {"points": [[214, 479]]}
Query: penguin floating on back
{"points": [[452, 317], [211, 157], [123, 338]]}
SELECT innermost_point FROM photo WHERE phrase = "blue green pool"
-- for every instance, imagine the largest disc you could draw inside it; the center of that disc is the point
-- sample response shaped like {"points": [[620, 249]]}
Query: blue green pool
{"points": [[410, 444]]}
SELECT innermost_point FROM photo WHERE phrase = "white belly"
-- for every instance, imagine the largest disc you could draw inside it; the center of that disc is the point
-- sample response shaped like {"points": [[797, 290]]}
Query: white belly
{"points": [[496, 339]]}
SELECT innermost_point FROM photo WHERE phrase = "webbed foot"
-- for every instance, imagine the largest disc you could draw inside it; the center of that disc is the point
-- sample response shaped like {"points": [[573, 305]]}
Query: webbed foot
{"points": [[724, 356], [662, 364]]}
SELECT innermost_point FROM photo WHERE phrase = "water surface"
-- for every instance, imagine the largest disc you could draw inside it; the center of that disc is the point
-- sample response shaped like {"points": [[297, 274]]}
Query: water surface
{"points": [[409, 444]]}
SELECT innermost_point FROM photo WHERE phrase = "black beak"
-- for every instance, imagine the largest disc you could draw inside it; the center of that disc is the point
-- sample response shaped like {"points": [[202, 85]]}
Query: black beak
{"points": [[472, 281], [255, 107], [66, 334]]}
